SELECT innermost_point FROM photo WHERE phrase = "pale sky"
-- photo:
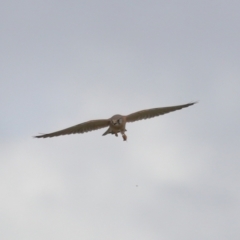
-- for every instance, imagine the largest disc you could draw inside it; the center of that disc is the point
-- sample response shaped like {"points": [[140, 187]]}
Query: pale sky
{"points": [[66, 62]]}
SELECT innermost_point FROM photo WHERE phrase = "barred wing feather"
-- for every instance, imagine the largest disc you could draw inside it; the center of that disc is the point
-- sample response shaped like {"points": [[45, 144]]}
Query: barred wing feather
{"points": [[80, 128], [154, 112]]}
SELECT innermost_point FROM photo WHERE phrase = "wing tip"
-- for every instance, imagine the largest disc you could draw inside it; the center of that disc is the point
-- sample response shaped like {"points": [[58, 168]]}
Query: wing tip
{"points": [[39, 136], [188, 104], [43, 135], [192, 103]]}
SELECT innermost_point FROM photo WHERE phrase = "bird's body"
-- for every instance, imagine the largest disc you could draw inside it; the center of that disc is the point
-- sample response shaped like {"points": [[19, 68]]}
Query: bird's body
{"points": [[116, 124]]}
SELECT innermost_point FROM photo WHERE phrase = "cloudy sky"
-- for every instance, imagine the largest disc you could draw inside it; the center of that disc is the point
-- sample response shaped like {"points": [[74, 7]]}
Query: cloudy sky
{"points": [[66, 62]]}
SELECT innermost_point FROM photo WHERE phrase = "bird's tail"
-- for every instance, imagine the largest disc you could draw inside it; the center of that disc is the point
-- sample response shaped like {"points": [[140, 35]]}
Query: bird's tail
{"points": [[107, 132]]}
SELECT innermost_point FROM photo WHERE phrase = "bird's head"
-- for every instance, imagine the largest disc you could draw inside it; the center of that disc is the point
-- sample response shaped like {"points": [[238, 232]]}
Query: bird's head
{"points": [[116, 121]]}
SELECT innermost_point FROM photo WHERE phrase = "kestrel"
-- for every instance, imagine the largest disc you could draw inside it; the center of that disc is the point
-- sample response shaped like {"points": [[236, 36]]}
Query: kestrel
{"points": [[116, 124]]}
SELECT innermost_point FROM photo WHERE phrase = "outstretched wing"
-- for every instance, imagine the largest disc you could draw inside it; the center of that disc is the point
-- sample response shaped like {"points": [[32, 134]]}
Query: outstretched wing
{"points": [[80, 128], [154, 112]]}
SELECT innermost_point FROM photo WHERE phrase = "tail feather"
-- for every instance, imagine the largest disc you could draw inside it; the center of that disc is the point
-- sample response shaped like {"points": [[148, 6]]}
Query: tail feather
{"points": [[107, 132]]}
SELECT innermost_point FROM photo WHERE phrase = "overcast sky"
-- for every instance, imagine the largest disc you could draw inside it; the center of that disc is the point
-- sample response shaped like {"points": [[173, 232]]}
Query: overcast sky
{"points": [[66, 62]]}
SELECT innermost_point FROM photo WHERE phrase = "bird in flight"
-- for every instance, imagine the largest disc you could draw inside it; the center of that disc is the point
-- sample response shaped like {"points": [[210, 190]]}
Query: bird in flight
{"points": [[116, 124]]}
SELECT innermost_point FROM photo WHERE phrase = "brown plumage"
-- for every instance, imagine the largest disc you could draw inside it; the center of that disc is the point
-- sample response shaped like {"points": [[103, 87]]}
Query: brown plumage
{"points": [[116, 123]]}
